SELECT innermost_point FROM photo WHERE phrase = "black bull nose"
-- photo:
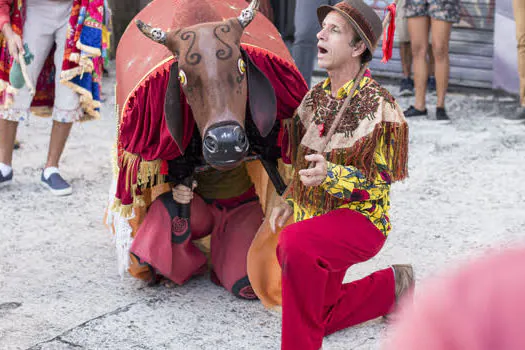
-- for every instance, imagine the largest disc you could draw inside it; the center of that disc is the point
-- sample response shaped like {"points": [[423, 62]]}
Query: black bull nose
{"points": [[224, 144]]}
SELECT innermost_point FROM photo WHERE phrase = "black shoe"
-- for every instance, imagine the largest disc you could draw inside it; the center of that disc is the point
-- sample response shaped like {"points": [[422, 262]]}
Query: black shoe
{"points": [[441, 115], [406, 87], [413, 112], [517, 118], [431, 84]]}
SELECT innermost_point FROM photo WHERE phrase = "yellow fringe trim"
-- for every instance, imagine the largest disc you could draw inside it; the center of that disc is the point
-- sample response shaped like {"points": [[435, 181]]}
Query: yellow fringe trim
{"points": [[74, 72], [124, 210], [86, 101], [42, 111], [148, 176], [148, 170], [92, 50]]}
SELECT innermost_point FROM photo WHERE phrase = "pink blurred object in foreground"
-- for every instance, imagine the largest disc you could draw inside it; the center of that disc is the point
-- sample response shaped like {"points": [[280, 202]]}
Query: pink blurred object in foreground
{"points": [[479, 307]]}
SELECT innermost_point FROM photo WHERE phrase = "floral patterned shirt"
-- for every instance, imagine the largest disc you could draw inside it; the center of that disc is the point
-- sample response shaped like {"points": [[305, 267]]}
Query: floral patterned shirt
{"points": [[349, 184]]}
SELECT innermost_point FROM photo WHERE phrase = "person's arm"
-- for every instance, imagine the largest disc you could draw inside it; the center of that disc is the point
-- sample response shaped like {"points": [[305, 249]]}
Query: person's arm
{"points": [[5, 9], [14, 41]]}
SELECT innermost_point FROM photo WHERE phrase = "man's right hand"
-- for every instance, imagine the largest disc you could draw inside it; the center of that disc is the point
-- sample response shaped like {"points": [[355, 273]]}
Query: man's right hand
{"points": [[14, 41], [280, 214], [183, 194]]}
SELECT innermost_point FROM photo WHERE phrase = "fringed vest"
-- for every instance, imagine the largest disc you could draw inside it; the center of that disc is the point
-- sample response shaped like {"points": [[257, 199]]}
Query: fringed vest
{"points": [[372, 114]]}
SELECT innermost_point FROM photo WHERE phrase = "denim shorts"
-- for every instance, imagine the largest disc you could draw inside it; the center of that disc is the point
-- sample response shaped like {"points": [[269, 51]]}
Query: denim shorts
{"points": [[443, 10]]}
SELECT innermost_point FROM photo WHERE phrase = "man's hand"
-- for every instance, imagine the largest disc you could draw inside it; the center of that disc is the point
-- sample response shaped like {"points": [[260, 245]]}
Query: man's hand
{"points": [[316, 175], [14, 42], [280, 214], [183, 194]]}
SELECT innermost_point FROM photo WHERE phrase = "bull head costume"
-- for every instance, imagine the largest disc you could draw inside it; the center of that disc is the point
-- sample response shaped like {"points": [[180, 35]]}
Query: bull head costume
{"points": [[218, 79]]}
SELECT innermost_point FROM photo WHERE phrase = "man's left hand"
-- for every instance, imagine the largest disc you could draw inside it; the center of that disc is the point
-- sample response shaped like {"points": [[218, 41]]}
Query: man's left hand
{"points": [[317, 174]]}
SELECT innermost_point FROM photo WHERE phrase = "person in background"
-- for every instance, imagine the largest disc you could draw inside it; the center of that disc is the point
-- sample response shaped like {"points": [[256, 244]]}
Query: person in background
{"points": [[406, 87], [306, 27], [519, 16], [423, 16], [69, 91]]}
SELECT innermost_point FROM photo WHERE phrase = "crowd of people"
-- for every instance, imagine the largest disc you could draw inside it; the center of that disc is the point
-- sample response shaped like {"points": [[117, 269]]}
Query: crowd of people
{"points": [[423, 31]]}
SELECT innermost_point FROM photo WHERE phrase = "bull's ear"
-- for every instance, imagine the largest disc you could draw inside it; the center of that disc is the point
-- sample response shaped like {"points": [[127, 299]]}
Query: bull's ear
{"points": [[172, 110], [261, 97]]}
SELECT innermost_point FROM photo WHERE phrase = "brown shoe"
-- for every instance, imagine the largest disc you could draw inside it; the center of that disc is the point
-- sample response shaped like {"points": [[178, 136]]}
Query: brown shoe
{"points": [[404, 275]]}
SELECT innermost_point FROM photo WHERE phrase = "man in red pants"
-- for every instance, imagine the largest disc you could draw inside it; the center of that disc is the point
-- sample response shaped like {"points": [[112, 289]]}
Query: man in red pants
{"points": [[341, 204]]}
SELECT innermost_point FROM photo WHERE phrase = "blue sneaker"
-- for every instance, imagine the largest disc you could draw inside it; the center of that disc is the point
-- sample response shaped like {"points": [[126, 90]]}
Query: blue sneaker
{"points": [[7, 179], [56, 184], [406, 87], [517, 118]]}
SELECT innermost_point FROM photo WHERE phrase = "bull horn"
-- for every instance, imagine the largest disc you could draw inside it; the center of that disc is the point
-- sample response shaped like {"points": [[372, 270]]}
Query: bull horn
{"points": [[155, 34], [248, 14]]}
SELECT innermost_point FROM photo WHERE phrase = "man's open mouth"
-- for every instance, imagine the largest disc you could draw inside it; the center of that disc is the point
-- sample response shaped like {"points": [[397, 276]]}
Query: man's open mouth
{"points": [[322, 50]]}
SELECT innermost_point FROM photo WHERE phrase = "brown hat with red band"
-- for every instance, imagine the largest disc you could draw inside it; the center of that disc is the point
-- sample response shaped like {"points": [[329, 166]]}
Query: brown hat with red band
{"points": [[362, 17]]}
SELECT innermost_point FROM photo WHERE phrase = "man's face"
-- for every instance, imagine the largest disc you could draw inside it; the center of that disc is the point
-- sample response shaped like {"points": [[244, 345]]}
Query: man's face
{"points": [[334, 46]]}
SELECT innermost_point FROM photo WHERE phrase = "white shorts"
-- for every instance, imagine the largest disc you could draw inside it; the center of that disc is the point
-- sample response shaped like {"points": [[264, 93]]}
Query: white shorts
{"points": [[401, 34], [46, 24]]}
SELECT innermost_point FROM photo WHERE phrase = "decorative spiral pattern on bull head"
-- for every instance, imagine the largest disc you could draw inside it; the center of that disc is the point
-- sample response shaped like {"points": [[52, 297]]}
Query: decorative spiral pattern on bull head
{"points": [[191, 58], [248, 14], [223, 54]]}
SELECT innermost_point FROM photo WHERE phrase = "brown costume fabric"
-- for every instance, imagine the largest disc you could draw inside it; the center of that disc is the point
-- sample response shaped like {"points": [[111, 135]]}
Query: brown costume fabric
{"points": [[163, 14]]}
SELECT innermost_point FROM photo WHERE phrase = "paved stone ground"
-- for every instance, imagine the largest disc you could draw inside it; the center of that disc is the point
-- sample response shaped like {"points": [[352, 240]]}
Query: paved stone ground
{"points": [[59, 286]]}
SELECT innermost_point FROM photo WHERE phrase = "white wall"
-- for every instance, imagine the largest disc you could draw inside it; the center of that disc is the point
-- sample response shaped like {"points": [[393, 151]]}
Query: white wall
{"points": [[505, 63]]}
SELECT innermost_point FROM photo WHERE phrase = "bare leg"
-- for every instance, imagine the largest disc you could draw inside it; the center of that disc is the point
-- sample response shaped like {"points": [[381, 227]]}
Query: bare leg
{"points": [[7, 140], [418, 30], [519, 15], [405, 52], [440, 45], [59, 134]]}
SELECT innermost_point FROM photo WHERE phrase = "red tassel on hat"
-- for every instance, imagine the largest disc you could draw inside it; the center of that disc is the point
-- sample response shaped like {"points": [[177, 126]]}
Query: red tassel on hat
{"points": [[388, 36]]}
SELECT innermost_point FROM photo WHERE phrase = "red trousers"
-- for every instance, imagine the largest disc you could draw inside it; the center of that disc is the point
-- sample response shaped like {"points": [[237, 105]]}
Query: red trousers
{"points": [[314, 255], [232, 224]]}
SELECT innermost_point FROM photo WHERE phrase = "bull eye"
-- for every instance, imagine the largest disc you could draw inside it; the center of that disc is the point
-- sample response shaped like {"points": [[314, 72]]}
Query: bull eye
{"points": [[182, 78], [242, 66]]}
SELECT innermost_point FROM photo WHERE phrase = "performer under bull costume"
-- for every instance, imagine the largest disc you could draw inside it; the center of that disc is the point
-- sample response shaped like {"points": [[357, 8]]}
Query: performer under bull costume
{"points": [[337, 208], [208, 83]]}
